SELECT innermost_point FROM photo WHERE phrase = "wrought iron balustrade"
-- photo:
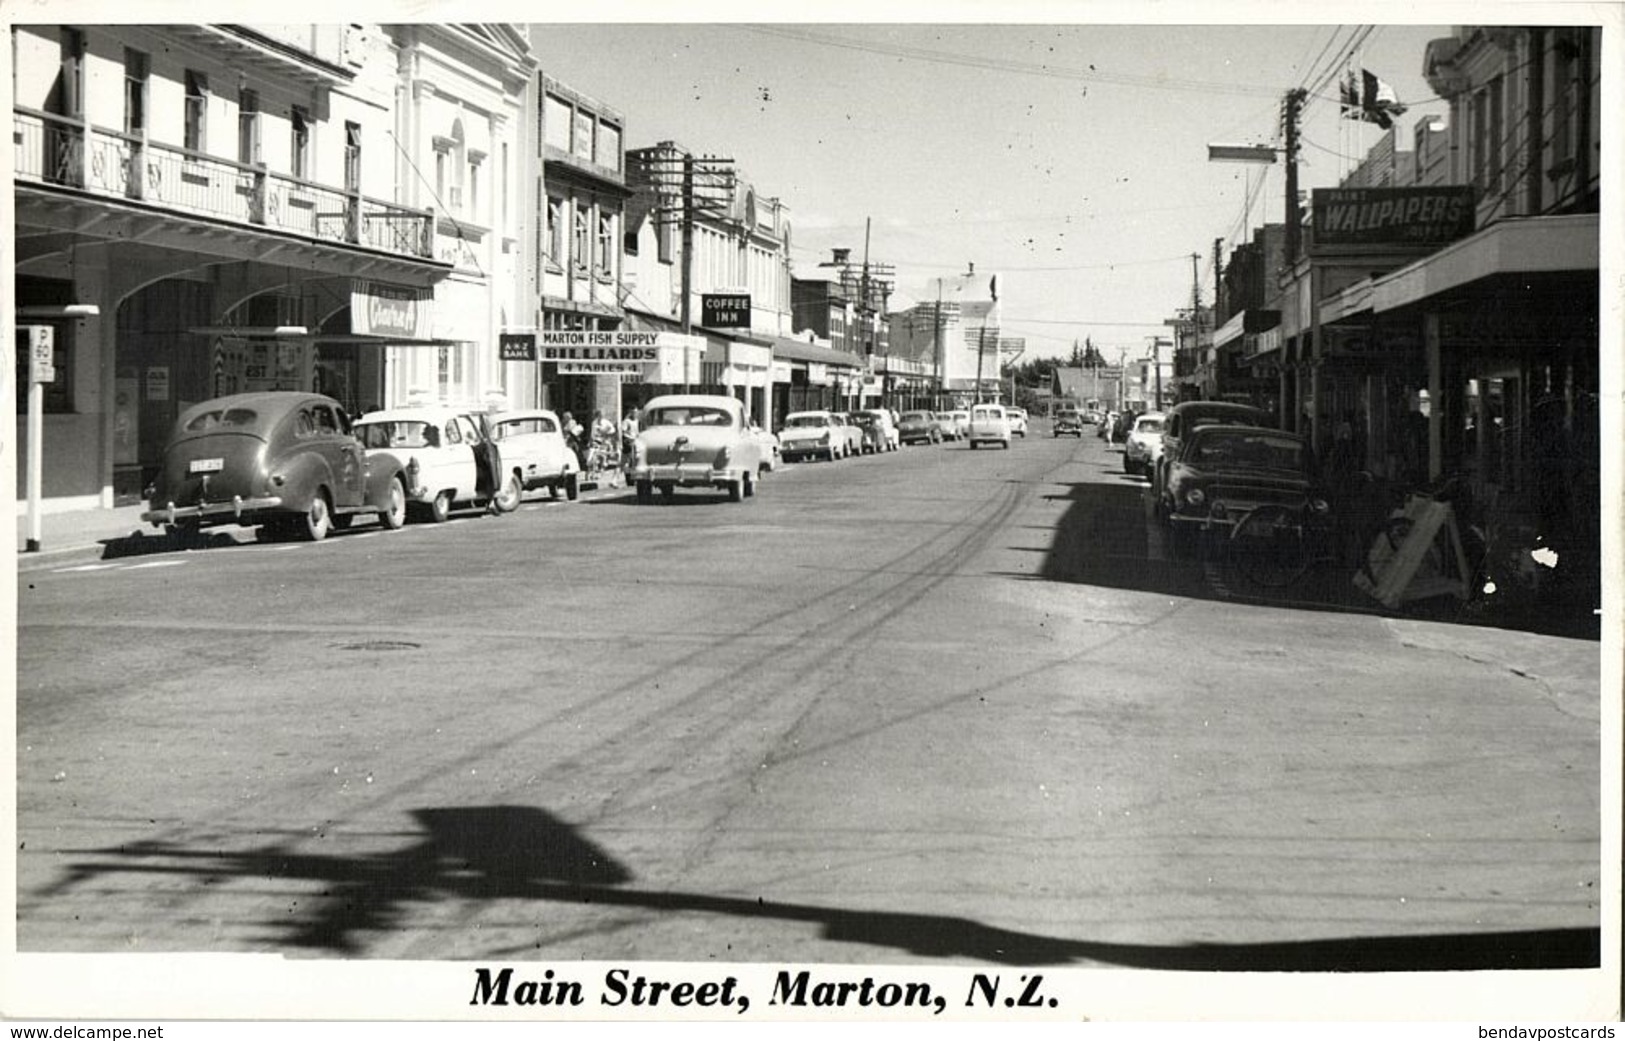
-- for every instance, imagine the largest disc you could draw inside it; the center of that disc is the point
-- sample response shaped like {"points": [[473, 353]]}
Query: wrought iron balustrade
{"points": [[58, 150]]}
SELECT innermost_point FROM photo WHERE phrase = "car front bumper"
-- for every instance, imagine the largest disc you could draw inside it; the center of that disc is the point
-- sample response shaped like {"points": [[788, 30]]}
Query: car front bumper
{"points": [[685, 475]]}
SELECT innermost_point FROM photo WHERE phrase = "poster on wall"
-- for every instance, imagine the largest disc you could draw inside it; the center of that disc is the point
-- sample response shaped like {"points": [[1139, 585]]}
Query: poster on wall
{"points": [[157, 383]]}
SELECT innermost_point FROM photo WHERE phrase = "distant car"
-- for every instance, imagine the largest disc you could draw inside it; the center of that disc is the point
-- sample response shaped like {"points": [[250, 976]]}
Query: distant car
{"points": [[449, 461], [948, 424], [1188, 416], [533, 450], [1144, 444], [807, 435], [1018, 421], [961, 419], [1224, 471], [989, 426], [694, 441], [768, 441], [879, 430], [919, 428], [1067, 421], [287, 460]]}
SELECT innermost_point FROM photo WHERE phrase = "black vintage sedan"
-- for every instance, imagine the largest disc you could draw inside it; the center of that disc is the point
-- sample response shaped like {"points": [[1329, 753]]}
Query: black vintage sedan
{"points": [[283, 459], [1224, 472]]}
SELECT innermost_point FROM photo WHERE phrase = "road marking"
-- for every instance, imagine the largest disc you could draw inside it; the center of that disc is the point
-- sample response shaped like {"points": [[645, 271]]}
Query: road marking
{"points": [[84, 567], [156, 563]]}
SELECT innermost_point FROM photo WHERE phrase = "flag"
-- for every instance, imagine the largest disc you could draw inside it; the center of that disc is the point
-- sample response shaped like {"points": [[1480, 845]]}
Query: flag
{"points": [[1369, 99]]}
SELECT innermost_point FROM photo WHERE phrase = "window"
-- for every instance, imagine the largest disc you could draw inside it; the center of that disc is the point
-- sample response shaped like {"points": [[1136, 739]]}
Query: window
{"points": [[609, 146], [248, 127], [67, 97], [300, 120], [1565, 74], [352, 157], [555, 230], [197, 106], [440, 158], [582, 244], [506, 185], [556, 122], [606, 243], [1493, 168], [474, 189], [136, 71]]}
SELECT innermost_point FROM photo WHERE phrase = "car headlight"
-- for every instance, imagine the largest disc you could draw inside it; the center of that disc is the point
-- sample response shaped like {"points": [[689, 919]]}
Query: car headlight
{"points": [[1195, 497], [1318, 505]]}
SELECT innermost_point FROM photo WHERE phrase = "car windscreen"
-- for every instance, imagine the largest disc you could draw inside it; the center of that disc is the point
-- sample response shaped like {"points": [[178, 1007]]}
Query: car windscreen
{"points": [[241, 420], [988, 413], [1260, 451], [686, 416], [503, 428], [807, 421], [915, 417], [397, 434], [1148, 426]]}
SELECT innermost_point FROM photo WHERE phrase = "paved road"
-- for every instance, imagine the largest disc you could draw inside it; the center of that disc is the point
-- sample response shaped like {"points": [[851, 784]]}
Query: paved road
{"points": [[941, 705]]}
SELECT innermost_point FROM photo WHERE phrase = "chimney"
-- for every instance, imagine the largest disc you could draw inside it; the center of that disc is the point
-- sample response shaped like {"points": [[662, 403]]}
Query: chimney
{"points": [[840, 255]]}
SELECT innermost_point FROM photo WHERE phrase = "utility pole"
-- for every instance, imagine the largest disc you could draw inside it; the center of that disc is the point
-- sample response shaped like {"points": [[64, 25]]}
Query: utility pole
{"points": [[1196, 314], [1294, 215], [865, 313], [688, 260], [936, 325]]}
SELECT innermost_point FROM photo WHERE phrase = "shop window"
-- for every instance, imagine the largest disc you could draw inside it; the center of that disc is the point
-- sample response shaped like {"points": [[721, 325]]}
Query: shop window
{"points": [[582, 245]]}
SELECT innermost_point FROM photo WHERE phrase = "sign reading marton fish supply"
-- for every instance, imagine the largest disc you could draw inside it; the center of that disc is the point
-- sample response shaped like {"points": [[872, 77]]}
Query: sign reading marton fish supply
{"points": [[599, 352], [1385, 217]]}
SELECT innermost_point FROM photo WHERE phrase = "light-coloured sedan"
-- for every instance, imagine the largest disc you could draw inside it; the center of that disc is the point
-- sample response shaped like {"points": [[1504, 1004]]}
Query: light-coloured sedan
{"points": [[533, 450], [1144, 444], [809, 435], [446, 457], [694, 441]]}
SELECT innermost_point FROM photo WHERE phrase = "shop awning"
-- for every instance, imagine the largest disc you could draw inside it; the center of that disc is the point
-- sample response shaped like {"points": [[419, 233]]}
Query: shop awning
{"points": [[787, 349], [1522, 246]]}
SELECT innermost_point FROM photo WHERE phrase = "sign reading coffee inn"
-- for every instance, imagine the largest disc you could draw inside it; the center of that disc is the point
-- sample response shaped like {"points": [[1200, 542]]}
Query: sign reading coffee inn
{"points": [[1389, 217]]}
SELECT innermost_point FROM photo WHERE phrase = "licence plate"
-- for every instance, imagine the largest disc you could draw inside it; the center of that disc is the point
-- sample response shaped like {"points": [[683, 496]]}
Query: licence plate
{"points": [[206, 466]]}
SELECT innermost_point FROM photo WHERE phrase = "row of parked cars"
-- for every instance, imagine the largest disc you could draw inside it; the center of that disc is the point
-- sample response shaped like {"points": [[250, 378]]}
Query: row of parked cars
{"points": [[297, 464]]}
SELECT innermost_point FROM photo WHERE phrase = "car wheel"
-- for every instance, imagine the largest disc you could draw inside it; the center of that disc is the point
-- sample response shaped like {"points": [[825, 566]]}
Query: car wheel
{"points": [[509, 495], [440, 508], [646, 492], [553, 489], [750, 485], [667, 491], [572, 487], [395, 515], [318, 519], [736, 489], [1128, 467]]}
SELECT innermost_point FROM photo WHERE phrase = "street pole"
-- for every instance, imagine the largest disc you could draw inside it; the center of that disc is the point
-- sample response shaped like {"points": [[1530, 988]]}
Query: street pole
{"points": [[688, 261], [937, 341], [41, 345]]}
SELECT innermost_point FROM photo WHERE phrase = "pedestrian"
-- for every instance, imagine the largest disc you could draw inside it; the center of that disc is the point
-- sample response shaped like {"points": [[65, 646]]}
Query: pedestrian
{"points": [[572, 438], [629, 431]]}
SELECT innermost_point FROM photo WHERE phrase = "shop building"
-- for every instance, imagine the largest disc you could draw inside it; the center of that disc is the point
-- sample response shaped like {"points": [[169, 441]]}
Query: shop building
{"points": [[256, 221], [953, 334]]}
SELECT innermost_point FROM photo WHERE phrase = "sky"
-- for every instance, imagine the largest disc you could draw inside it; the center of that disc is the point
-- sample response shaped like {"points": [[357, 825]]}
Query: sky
{"points": [[1071, 159]]}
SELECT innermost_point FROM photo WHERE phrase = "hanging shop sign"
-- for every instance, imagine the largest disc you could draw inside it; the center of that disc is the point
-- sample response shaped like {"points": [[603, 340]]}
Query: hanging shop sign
{"points": [[378, 309], [600, 368], [517, 346], [1391, 217], [725, 310], [628, 348]]}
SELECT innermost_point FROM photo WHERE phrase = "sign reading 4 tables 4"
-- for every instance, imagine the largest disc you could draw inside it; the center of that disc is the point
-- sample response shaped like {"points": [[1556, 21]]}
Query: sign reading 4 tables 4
{"points": [[725, 310]]}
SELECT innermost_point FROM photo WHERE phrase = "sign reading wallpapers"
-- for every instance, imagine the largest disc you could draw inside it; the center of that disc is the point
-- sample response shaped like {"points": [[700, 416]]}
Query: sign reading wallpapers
{"points": [[1382, 217]]}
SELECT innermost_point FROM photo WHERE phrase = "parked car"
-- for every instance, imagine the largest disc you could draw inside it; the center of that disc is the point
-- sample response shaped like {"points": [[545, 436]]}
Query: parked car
{"points": [[1224, 471], [448, 460], [989, 426], [919, 428], [806, 435], [532, 446], [1188, 416], [286, 460], [1144, 444], [879, 421], [768, 441], [1018, 421], [851, 431], [694, 441], [961, 419], [948, 423], [1067, 421]]}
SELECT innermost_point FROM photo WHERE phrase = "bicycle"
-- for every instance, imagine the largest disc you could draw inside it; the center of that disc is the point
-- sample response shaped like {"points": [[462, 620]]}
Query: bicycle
{"points": [[1273, 545]]}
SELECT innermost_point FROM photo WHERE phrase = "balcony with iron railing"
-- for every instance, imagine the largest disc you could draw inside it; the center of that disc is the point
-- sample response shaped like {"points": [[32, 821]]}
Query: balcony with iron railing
{"points": [[57, 150]]}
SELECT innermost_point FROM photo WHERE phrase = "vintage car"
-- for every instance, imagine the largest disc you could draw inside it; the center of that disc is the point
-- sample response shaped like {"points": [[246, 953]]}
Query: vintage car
{"points": [[1222, 472], [447, 459], [1067, 421], [1144, 444], [772, 454], [879, 432], [282, 459], [807, 435], [949, 425], [919, 428], [532, 446], [961, 420], [1187, 416], [1018, 420], [850, 429], [694, 440], [989, 426]]}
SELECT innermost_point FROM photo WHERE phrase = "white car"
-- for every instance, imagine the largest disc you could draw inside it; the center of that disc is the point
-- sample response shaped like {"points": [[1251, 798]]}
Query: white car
{"points": [[1018, 421], [694, 441], [448, 462], [531, 442], [885, 426], [772, 456], [806, 435], [1144, 445], [989, 425]]}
